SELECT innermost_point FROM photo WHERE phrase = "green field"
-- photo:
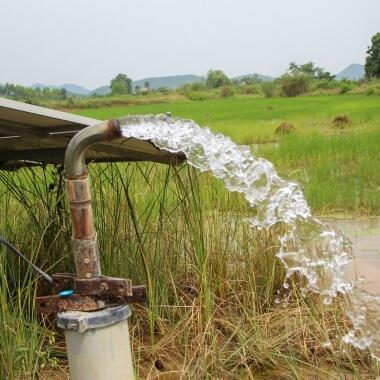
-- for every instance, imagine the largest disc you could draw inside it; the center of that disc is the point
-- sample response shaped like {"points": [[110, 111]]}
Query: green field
{"points": [[338, 168], [250, 120]]}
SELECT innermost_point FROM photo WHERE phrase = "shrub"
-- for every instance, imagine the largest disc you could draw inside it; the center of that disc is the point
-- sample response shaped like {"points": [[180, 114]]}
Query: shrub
{"points": [[345, 86], [248, 89], [197, 86], [268, 89], [226, 91], [326, 84], [293, 85]]}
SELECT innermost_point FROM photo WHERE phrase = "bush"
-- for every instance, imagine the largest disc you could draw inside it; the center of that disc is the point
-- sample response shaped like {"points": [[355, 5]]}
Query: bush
{"points": [[197, 86], [326, 84], [226, 91], [268, 89], [345, 86], [376, 87], [248, 89], [293, 85]]}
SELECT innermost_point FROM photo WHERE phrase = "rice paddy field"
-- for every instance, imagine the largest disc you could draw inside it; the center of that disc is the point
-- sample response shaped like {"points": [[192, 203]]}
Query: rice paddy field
{"points": [[337, 165], [217, 306]]}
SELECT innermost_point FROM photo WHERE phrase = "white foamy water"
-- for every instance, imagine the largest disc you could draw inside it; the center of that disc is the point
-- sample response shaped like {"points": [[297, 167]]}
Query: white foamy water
{"points": [[309, 247]]}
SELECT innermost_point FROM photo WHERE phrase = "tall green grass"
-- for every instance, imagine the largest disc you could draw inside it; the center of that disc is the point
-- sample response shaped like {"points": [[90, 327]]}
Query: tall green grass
{"points": [[25, 342], [339, 173], [213, 282]]}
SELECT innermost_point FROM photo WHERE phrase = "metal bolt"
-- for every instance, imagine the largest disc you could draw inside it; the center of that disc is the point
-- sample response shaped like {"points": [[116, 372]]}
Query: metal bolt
{"points": [[88, 275]]}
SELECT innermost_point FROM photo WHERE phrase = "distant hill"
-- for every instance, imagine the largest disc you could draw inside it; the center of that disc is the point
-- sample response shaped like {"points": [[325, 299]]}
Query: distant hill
{"points": [[75, 89], [264, 78], [103, 90], [173, 81], [69, 87], [352, 72]]}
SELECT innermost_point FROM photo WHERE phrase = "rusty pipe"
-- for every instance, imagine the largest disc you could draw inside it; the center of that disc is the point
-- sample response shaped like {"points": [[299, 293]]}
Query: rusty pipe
{"points": [[75, 164], [84, 241]]}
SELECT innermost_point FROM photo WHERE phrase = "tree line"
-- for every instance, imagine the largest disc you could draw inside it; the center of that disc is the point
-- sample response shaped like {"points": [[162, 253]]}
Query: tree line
{"points": [[298, 79]]}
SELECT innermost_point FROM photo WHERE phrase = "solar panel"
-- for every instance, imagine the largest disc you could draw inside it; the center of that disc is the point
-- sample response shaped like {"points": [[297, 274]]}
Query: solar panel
{"points": [[33, 135]]}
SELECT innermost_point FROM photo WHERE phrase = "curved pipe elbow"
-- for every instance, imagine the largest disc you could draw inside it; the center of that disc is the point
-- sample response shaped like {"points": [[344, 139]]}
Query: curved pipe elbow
{"points": [[75, 157]]}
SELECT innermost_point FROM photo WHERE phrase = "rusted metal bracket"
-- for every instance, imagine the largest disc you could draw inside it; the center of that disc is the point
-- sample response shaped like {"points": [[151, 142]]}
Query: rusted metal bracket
{"points": [[90, 295]]}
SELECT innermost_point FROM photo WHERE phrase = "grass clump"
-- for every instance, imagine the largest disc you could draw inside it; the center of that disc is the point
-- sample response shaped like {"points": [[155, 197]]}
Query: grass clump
{"points": [[342, 121], [285, 129]]}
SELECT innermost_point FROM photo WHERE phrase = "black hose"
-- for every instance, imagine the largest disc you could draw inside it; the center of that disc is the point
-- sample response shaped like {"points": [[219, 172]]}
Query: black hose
{"points": [[19, 254]]}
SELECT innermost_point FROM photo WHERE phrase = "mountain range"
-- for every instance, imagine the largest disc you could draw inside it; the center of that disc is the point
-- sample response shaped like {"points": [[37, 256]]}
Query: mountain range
{"points": [[354, 71]]}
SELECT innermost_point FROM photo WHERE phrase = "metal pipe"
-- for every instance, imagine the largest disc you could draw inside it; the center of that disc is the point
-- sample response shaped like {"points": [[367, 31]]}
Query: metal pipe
{"points": [[75, 157], [98, 345], [84, 241]]}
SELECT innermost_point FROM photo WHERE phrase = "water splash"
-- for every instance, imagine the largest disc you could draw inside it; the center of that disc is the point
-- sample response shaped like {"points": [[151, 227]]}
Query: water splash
{"points": [[309, 246]]}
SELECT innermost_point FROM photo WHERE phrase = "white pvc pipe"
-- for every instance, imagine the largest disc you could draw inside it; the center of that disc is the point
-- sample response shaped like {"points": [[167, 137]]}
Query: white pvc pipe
{"points": [[101, 353]]}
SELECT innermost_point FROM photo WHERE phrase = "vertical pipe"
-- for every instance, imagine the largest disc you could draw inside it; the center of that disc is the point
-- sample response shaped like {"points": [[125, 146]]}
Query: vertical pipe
{"points": [[98, 346], [84, 241]]}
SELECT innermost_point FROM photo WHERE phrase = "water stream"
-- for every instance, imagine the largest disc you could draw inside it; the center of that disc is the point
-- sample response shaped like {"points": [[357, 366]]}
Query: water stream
{"points": [[309, 246]]}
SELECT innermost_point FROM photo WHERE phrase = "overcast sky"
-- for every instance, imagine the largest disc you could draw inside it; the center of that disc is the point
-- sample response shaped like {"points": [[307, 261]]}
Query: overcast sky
{"points": [[87, 42]]}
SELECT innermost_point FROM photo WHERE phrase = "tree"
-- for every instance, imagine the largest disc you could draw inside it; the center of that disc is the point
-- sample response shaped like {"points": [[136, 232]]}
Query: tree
{"points": [[372, 62], [63, 93], [147, 85], [217, 78], [310, 70], [121, 84]]}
